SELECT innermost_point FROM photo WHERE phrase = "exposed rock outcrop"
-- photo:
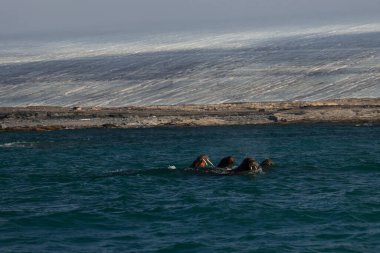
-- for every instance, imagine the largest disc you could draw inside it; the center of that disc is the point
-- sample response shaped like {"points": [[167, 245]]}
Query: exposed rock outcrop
{"points": [[41, 118]]}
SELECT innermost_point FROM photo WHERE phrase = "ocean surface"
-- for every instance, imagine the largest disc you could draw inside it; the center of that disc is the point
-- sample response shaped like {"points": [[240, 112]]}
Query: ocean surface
{"points": [[243, 66], [110, 190]]}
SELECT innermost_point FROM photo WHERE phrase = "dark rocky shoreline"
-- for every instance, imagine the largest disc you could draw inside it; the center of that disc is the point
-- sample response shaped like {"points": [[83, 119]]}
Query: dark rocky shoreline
{"points": [[47, 118]]}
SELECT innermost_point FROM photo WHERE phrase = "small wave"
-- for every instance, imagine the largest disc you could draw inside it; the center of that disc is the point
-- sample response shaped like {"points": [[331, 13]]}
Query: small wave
{"points": [[222, 172], [117, 172], [18, 145]]}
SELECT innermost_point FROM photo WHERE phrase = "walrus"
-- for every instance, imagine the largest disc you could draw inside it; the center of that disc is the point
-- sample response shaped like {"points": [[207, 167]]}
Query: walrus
{"points": [[202, 161], [266, 164], [248, 164], [227, 162]]}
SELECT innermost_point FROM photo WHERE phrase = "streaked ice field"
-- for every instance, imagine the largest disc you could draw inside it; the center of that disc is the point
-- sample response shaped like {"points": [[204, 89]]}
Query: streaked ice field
{"points": [[193, 68]]}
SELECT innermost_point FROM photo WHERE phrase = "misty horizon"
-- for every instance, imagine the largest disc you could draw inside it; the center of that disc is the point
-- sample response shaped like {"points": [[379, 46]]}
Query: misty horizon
{"points": [[22, 18]]}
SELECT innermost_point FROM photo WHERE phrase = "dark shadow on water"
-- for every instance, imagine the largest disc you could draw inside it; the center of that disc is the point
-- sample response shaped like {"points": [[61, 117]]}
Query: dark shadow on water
{"points": [[182, 172]]}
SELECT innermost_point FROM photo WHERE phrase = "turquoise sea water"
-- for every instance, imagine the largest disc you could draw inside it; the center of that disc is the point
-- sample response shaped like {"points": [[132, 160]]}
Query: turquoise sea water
{"points": [[110, 190]]}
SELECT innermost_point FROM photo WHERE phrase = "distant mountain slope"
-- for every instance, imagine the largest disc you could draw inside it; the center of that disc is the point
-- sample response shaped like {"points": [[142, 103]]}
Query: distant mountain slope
{"points": [[307, 66]]}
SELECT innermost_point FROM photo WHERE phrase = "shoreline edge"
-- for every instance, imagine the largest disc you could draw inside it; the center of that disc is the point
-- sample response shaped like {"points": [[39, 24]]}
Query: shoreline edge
{"points": [[48, 118]]}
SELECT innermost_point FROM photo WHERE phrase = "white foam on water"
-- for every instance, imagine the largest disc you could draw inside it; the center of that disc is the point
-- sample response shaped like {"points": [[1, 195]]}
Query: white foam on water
{"points": [[18, 145]]}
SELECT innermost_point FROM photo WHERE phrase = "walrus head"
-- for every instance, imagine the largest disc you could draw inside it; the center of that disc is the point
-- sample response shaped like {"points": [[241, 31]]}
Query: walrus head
{"points": [[266, 164], [200, 162], [248, 164], [227, 162]]}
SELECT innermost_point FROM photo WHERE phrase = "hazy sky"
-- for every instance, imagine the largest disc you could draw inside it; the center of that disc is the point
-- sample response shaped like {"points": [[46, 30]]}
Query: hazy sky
{"points": [[23, 17]]}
